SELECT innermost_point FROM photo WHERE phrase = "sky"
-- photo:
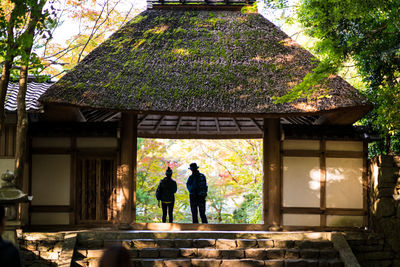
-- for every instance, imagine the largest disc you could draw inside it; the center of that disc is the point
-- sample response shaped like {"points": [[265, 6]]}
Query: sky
{"points": [[70, 28]]}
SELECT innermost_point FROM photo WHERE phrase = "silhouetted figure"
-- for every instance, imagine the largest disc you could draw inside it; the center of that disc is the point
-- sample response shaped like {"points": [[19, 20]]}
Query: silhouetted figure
{"points": [[166, 194], [197, 187], [9, 254], [115, 256]]}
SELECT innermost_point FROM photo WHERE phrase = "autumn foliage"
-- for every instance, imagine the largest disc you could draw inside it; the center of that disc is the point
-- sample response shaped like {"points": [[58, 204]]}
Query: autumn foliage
{"points": [[234, 175]]}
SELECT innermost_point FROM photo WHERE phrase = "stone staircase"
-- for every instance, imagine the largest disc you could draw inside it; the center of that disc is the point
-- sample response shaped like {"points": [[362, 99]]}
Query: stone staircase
{"points": [[46, 249], [211, 248]]}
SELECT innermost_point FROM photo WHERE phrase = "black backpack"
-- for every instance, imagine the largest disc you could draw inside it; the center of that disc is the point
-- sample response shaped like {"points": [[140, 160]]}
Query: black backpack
{"points": [[202, 186], [158, 191]]}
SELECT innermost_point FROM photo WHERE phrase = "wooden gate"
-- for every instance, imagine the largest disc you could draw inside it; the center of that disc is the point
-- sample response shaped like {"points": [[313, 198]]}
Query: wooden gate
{"points": [[96, 189]]}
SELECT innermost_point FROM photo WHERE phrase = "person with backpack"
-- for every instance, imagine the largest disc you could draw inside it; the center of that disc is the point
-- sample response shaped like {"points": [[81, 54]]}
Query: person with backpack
{"points": [[166, 194], [197, 187]]}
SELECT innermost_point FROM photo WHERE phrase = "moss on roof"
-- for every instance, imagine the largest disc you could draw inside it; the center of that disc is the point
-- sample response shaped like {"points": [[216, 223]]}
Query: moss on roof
{"points": [[197, 61]]}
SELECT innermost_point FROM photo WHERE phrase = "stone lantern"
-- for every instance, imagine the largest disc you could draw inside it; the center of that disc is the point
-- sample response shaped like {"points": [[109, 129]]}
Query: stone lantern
{"points": [[10, 198]]}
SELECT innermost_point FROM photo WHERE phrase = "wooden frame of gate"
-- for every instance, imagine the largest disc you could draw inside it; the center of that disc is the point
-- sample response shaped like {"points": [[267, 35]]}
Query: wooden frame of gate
{"points": [[126, 203]]}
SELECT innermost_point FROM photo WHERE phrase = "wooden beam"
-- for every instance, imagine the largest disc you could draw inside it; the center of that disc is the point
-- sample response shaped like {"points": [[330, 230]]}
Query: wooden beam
{"points": [[255, 122], [217, 124], [236, 124], [322, 166], [344, 154], [141, 120], [316, 153], [202, 135], [327, 211], [29, 176], [301, 153], [51, 150], [73, 190], [50, 208], [83, 214], [134, 168], [113, 116], [365, 181], [272, 175], [11, 142], [343, 116], [179, 123], [3, 143], [99, 203], [126, 170], [159, 123]]}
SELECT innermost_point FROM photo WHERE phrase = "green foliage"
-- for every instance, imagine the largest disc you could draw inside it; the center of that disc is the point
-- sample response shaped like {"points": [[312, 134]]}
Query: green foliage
{"points": [[232, 167], [249, 9], [250, 211], [366, 33], [22, 24], [310, 82]]}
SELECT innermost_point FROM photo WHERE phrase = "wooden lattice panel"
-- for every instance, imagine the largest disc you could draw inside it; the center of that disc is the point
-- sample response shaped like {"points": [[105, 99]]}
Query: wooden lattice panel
{"points": [[7, 141]]}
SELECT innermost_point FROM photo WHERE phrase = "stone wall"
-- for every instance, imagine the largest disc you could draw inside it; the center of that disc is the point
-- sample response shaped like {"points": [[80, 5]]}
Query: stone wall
{"points": [[370, 249], [384, 202], [47, 249]]}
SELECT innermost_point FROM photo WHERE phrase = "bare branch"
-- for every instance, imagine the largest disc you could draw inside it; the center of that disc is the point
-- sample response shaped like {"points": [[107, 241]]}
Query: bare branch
{"points": [[96, 27], [58, 74], [127, 15], [220, 163]]}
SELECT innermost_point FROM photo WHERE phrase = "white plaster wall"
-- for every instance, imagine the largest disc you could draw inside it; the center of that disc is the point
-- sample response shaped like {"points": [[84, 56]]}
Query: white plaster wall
{"points": [[344, 146], [344, 221], [6, 164], [301, 182], [51, 142], [344, 188], [301, 219], [301, 144], [51, 179], [91, 142], [48, 218]]}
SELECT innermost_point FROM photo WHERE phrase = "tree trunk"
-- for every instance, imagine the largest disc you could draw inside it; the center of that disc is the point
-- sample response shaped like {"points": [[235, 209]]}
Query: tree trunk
{"points": [[26, 42], [388, 144], [5, 73], [4, 79], [22, 127]]}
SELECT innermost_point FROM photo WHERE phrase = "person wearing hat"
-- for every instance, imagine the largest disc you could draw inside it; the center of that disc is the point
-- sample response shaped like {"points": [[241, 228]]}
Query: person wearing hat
{"points": [[166, 194], [197, 187]]}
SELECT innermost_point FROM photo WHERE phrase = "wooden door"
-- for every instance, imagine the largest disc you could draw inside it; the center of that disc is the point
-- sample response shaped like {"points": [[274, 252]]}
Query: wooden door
{"points": [[96, 189]]}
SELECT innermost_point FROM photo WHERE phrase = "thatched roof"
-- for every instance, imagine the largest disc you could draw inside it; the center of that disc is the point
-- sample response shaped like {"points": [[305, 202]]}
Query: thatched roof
{"points": [[199, 63]]}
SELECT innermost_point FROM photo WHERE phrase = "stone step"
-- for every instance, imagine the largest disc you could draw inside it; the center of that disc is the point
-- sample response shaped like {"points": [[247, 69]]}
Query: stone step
{"points": [[47, 249], [222, 263], [236, 262], [206, 243], [130, 235], [253, 253], [204, 253], [196, 248]]}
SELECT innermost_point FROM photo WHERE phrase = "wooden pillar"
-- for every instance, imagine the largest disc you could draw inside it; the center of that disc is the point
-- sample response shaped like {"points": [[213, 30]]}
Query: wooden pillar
{"points": [[322, 166], [272, 173], [126, 173], [134, 168]]}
